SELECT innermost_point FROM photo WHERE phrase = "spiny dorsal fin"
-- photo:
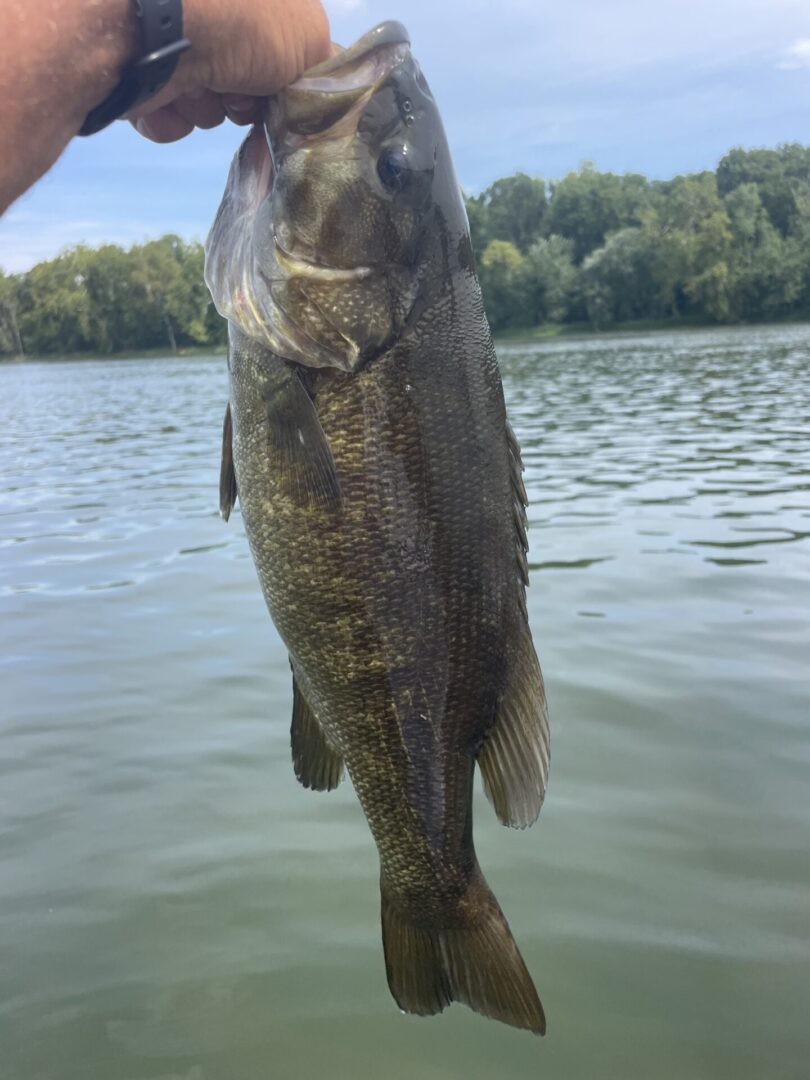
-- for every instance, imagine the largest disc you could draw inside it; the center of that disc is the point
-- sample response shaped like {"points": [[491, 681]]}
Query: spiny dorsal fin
{"points": [[515, 756], [316, 764], [519, 504], [227, 474]]}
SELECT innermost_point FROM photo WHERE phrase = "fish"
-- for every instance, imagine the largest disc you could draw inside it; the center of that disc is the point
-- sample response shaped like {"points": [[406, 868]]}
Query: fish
{"points": [[367, 441]]}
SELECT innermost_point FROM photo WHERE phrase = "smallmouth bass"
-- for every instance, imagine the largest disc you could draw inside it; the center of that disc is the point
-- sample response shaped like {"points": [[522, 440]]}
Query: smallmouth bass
{"points": [[380, 485]]}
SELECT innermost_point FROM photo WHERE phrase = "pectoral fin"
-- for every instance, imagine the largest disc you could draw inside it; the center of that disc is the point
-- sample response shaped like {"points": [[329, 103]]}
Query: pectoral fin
{"points": [[299, 456], [302, 458], [316, 764], [227, 474], [515, 756]]}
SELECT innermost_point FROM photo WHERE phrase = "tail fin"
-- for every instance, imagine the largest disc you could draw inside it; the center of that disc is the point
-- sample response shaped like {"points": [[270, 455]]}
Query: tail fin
{"points": [[475, 961]]}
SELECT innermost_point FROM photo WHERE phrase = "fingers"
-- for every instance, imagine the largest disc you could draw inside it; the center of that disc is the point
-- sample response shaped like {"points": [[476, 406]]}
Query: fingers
{"points": [[164, 125], [172, 122], [242, 51], [202, 110], [242, 108]]}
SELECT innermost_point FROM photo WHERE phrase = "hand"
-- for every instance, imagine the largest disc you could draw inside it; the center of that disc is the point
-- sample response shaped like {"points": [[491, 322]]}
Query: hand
{"points": [[241, 51]]}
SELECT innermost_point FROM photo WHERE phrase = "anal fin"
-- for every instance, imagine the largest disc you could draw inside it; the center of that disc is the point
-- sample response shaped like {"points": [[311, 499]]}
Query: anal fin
{"points": [[514, 759], [316, 764]]}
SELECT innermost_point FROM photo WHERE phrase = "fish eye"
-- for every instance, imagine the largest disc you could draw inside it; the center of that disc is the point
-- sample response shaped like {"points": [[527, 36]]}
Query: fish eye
{"points": [[394, 170]]}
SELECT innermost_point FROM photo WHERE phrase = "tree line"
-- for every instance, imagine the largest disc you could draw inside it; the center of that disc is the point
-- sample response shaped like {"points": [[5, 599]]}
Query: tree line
{"points": [[106, 300], [594, 247], [602, 248]]}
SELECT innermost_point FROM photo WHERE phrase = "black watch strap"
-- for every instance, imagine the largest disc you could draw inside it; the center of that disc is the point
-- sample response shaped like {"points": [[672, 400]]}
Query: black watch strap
{"points": [[162, 41]]}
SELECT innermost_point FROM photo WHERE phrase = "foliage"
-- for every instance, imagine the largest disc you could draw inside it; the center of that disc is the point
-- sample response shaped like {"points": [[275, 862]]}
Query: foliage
{"points": [[108, 300], [502, 273], [549, 279], [511, 209], [605, 248], [716, 246], [10, 343], [588, 205]]}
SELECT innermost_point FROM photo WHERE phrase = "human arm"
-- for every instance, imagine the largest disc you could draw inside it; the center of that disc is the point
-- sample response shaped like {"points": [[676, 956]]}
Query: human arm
{"points": [[60, 58]]}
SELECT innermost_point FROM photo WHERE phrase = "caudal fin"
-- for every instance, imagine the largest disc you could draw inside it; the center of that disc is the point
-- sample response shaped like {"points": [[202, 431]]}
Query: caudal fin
{"points": [[475, 962]]}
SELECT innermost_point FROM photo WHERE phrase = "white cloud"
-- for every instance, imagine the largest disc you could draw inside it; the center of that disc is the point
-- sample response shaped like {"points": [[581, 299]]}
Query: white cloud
{"points": [[797, 55]]}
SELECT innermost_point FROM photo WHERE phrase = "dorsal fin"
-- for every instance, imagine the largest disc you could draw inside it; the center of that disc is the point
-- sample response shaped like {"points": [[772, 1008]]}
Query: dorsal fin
{"points": [[520, 502], [227, 473], [514, 758]]}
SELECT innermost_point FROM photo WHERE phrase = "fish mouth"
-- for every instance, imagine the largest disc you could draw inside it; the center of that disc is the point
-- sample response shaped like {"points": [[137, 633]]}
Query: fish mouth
{"points": [[332, 94], [326, 101], [359, 65]]}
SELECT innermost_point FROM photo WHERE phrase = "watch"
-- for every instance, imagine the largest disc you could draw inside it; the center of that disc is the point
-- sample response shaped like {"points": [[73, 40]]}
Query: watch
{"points": [[161, 31]]}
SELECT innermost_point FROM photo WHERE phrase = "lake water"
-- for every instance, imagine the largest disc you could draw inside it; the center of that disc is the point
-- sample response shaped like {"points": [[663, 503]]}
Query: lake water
{"points": [[174, 906]]}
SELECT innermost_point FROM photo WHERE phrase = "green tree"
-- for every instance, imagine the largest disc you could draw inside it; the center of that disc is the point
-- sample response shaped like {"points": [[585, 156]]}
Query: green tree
{"points": [[54, 313], [588, 205], [118, 302], [549, 276], [782, 178], [689, 218], [170, 273], [618, 281], [10, 340], [768, 268], [512, 209], [502, 278], [478, 217]]}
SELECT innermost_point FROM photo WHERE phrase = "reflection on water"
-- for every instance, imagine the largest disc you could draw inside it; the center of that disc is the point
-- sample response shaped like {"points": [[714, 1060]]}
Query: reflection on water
{"points": [[173, 905]]}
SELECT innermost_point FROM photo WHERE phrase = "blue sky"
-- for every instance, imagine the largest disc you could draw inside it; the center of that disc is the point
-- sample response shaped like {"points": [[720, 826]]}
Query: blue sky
{"points": [[655, 86]]}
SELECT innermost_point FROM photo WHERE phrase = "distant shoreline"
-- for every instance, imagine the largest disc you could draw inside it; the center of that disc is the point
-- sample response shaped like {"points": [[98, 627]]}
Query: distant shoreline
{"points": [[551, 331], [129, 354], [513, 336]]}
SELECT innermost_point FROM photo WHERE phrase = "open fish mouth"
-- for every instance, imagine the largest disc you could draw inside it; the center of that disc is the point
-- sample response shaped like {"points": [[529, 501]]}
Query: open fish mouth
{"points": [[369, 51], [333, 94]]}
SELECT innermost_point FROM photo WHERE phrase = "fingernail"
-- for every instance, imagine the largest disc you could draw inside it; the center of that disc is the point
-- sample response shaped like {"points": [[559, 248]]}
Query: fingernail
{"points": [[239, 102]]}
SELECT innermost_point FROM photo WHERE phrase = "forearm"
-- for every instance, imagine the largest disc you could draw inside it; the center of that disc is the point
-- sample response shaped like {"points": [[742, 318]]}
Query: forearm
{"points": [[58, 58]]}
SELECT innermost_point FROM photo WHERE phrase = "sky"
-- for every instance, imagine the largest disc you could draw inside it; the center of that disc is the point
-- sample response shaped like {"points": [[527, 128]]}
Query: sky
{"points": [[653, 86]]}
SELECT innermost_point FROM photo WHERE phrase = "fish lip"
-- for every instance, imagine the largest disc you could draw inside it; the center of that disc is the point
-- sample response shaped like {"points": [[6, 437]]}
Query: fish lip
{"points": [[360, 68], [389, 33]]}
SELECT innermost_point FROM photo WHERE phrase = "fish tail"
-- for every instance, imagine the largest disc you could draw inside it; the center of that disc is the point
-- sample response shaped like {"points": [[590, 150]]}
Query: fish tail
{"points": [[473, 960]]}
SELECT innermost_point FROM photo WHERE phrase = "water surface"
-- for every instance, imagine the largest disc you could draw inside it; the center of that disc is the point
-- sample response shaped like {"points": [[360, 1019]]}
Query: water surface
{"points": [[173, 906]]}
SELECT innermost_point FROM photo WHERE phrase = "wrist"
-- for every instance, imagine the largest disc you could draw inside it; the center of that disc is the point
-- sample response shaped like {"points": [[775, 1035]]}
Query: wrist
{"points": [[96, 46], [58, 59]]}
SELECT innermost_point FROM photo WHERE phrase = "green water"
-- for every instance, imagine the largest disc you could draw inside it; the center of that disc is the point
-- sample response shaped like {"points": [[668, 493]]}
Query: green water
{"points": [[174, 905]]}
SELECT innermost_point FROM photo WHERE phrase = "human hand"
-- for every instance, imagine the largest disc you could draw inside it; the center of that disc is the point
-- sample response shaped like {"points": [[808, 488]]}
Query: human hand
{"points": [[241, 51]]}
